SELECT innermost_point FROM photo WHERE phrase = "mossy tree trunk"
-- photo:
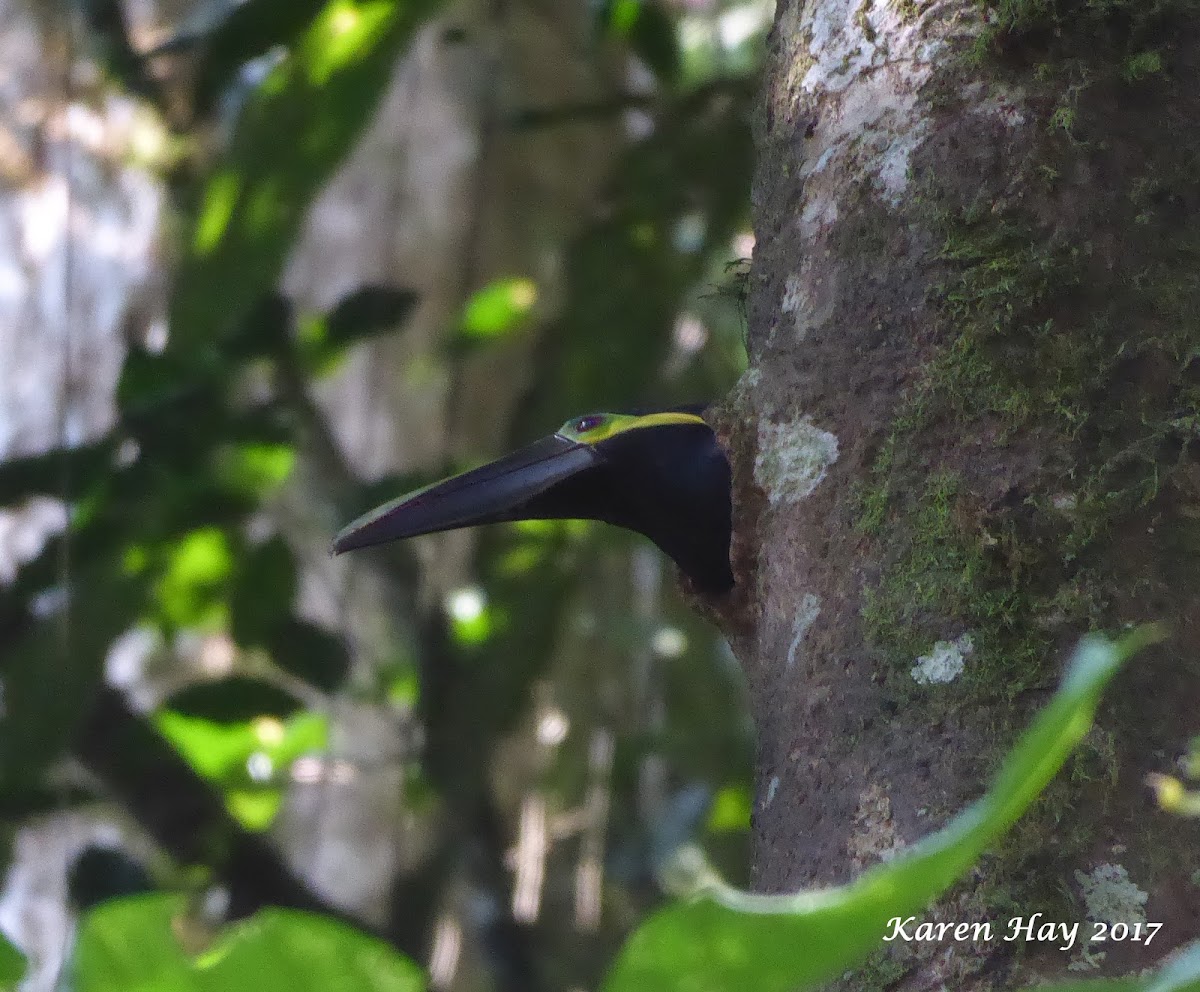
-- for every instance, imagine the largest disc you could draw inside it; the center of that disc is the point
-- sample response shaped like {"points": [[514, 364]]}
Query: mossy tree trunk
{"points": [[967, 436]]}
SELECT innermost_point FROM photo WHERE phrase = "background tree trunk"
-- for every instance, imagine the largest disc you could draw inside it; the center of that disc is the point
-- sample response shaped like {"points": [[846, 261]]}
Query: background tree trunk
{"points": [[969, 434]]}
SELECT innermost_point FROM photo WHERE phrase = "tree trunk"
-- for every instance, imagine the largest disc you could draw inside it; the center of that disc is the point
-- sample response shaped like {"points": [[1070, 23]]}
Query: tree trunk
{"points": [[969, 434]]}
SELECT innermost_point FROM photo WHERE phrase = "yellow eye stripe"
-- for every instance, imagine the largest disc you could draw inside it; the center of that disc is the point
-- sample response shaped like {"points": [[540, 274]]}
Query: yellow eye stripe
{"points": [[611, 424]]}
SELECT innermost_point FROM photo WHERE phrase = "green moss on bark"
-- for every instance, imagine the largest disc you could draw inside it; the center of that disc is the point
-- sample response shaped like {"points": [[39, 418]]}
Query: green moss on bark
{"points": [[1043, 475]]}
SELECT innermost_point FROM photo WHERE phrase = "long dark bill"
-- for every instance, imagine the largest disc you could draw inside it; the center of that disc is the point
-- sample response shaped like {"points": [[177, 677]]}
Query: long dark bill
{"points": [[484, 495]]}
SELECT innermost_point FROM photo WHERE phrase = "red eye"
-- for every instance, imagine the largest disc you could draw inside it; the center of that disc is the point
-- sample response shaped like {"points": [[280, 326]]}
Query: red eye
{"points": [[588, 423]]}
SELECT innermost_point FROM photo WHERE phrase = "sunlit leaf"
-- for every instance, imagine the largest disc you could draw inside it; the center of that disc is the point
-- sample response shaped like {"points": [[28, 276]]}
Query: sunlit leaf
{"points": [[404, 690], [295, 130], [726, 939], [471, 619], [254, 809], [499, 308], [191, 591], [245, 759], [255, 469], [731, 809]]}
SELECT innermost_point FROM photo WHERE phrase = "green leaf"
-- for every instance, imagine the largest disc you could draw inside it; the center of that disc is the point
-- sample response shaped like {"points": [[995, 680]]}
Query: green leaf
{"points": [[223, 753], [294, 132], [193, 586], [731, 940], [731, 810], [368, 311], [285, 950], [255, 468], [498, 309], [12, 965], [129, 945]]}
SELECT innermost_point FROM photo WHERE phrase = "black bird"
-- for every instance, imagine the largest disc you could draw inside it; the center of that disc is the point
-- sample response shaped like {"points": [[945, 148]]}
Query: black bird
{"points": [[661, 474]]}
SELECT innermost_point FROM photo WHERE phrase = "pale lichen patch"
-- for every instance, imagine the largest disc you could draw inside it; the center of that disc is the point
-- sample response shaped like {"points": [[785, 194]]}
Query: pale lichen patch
{"points": [[810, 609], [792, 459], [1111, 896], [873, 60], [855, 78], [945, 662], [796, 303]]}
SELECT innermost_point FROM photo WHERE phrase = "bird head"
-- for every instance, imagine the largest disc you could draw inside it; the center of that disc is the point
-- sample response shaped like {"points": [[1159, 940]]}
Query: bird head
{"points": [[661, 474]]}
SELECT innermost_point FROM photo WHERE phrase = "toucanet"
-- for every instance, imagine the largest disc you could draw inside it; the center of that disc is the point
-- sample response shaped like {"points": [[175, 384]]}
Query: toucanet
{"points": [[661, 474]]}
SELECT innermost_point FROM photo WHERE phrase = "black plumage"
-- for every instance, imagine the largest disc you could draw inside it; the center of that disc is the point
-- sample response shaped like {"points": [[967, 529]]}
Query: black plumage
{"points": [[662, 475]]}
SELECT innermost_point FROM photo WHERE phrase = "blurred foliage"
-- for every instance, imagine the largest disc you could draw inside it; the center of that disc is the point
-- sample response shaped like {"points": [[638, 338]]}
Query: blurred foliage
{"points": [[498, 308], [244, 758], [294, 130], [139, 943], [721, 939], [175, 550], [12, 965]]}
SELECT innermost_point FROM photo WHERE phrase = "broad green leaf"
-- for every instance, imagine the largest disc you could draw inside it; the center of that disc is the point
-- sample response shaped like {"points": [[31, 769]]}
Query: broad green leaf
{"points": [[129, 945], [286, 950], [137, 945], [295, 130], [726, 939], [12, 965]]}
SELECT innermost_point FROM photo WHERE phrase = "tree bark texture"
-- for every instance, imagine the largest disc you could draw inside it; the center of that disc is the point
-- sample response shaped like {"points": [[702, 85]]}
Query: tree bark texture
{"points": [[968, 434]]}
